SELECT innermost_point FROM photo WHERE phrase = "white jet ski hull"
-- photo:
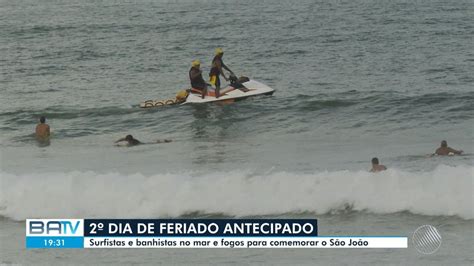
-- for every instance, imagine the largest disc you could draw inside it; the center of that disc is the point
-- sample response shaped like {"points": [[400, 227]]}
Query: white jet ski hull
{"points": [[255, 88]]}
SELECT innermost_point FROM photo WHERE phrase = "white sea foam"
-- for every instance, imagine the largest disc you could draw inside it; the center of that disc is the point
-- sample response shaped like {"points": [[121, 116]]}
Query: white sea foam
{"points": [[445, 191]]}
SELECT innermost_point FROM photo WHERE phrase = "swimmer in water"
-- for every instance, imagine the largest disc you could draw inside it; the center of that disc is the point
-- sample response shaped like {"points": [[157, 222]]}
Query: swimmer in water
{"points": [[445, 150], [131, 141], [42, 132], [376, 167]]}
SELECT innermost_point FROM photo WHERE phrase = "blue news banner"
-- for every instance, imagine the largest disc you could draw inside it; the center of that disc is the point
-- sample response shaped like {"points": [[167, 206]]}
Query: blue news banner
{"points": [[192, 233]]}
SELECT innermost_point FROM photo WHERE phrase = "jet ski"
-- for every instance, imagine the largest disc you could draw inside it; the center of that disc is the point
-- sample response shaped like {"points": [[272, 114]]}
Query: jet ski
{"points": [[238, 89]]}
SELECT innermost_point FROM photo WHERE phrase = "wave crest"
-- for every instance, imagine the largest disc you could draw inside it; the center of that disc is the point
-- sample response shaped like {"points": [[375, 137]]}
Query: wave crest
{"points": [[445, 191]]}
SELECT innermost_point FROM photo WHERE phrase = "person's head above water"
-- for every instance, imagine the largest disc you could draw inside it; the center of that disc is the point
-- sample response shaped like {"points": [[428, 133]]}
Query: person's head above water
{"points": [[376, 167], [445, 150], [131, 141], [42, 120]]}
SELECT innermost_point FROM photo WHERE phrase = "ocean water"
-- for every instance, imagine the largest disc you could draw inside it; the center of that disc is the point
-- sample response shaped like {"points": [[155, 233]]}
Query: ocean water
{"points": [[353, 80]]}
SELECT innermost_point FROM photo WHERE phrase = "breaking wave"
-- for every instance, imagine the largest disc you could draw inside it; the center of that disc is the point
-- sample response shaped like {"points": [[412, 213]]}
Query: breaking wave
{"points": [[445, 191]]}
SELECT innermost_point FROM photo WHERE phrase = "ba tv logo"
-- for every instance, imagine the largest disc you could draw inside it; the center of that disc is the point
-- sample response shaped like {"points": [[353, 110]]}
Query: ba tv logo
{"points": [[54, 227]]}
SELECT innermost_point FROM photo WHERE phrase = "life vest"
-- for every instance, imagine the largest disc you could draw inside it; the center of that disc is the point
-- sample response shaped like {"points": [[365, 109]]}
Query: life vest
{"points": [[215, 70], [197, 82]]}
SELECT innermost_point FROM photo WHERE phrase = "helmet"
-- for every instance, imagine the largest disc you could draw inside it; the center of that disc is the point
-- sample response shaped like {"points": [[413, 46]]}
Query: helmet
{"points": [[219, 51], [196, 63]]}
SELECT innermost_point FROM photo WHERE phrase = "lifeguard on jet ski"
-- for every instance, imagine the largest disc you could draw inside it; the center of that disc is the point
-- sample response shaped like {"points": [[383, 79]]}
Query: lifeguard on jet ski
{"points": [[202, 92]]}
